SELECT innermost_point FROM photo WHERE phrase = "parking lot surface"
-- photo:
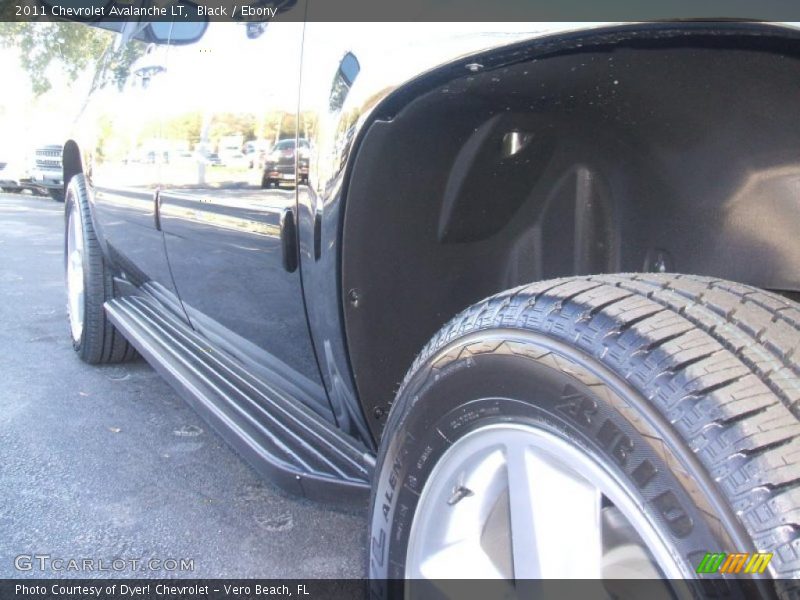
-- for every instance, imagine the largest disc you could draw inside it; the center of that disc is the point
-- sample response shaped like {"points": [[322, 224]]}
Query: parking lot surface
{"points": [[108, 463]]}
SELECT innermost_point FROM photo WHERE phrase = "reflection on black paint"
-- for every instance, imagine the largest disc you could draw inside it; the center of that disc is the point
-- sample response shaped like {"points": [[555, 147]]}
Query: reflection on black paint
{"points": [[222, 230]]}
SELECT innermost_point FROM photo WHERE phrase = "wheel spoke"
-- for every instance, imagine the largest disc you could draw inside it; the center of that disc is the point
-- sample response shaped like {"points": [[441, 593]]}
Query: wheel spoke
{"points": [[555, 518], [74, 276], [515, 501], [524, 540], [462, 559]]}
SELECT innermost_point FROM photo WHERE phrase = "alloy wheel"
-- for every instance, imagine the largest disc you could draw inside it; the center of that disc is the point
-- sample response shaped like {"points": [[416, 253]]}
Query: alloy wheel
{"points": [[517, 501], [74, 275]]}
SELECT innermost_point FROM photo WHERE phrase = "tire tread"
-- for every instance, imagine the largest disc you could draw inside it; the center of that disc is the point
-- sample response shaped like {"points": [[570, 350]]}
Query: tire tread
{"points": [[718, 359]]}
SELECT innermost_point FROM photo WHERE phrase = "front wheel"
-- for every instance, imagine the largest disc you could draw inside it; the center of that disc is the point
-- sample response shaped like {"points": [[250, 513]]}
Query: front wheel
{"points": [[605, 427], [89, 284]]}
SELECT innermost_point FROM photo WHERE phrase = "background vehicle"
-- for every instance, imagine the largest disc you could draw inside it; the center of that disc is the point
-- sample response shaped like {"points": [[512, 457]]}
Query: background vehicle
{"points": [[256, 152], [288, 161], [537, 300], [12, 174], [46, 172]]}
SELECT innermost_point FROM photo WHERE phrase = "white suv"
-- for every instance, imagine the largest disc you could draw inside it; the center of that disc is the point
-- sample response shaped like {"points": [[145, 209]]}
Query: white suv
{"points": [[47, 172]]}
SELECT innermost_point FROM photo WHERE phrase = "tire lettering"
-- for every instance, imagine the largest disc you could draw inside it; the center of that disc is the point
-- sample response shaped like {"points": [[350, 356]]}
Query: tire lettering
{"points": [[394, 476], [615, 442], [577, 406], [670, 508], [582, 410], [644, 474], [378, 548]]}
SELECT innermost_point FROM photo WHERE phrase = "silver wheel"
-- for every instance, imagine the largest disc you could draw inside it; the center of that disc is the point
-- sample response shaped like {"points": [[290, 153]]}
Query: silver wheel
{"points": [[515, 501], [74, 274]]}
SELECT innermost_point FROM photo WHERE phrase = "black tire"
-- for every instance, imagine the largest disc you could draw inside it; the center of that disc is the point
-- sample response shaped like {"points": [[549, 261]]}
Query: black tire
{"points": [[100, 342], [56, 194], [705, 371]]}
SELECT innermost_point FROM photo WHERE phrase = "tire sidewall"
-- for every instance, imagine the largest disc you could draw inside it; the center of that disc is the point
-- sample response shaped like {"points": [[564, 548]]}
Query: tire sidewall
{"points": [[522, 377], [76, 205]]}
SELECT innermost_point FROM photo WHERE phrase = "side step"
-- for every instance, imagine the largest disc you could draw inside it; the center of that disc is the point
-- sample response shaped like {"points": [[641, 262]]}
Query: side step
{"points": [[282, 439]]}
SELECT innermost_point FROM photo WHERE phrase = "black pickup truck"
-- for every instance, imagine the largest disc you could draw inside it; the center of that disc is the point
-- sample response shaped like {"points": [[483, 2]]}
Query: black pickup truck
{"points": [[535, 297]]}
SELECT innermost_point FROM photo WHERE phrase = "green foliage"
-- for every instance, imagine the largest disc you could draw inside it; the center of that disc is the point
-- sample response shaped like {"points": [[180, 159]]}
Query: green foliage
{"points": [[118, 64], [185, 127], [225, 124], [70, 47]]}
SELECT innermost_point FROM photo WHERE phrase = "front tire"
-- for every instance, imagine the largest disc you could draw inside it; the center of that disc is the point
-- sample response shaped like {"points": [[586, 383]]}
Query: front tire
{"points": [[89, 284], [621, 424]]}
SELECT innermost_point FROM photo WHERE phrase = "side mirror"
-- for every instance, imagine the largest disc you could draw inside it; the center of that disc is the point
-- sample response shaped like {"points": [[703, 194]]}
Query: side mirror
{"points": [[180, 33], [349, 68], [346, 74], [189, 29]]}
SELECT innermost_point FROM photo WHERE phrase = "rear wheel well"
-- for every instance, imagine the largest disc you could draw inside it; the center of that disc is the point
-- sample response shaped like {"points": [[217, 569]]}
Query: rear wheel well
{"points": [[676, 154]]}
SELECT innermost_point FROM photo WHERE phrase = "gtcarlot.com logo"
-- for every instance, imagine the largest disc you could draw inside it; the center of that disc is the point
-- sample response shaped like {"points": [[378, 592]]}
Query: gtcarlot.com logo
{"points": [[740, 562], [46, 562]]}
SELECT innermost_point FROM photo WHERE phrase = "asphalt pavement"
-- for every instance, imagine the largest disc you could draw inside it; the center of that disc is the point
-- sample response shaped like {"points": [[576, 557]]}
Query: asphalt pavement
{"points": [[109, 464]]}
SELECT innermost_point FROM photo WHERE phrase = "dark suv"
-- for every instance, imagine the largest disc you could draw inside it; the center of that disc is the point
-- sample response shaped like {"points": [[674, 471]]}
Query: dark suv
{"points": [[537, 302], [286, 162]]}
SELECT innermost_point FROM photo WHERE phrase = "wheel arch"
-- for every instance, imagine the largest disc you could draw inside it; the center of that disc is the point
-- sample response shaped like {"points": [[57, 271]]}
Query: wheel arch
{"points": [[433, 221], [72, 162]]}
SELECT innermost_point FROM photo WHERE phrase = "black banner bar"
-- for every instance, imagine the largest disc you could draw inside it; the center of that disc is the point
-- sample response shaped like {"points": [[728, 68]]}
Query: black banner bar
{"points": [[394, 11], [355, 589]]}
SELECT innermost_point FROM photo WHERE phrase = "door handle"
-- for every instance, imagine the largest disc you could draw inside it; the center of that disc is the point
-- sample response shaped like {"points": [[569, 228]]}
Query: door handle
{"points": [[317, 235], [289, 240], [157, 210]]}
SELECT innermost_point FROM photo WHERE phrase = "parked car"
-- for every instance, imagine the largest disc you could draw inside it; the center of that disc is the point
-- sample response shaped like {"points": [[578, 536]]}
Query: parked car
{"points": [[256, 152], [12, 175], [287, 162], [537, 302], [46, 171], [235, 159]]}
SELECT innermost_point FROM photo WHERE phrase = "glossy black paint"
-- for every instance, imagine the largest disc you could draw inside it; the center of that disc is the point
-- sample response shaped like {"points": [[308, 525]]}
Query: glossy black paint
{"points": [[223, 233], [123, 191]]}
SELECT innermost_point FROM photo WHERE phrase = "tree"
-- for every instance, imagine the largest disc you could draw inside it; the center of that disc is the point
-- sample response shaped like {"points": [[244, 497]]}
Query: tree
{"points": [[70, 47]]}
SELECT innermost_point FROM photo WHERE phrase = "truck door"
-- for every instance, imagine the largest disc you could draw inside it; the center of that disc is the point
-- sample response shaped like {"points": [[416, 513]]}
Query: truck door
{"points": [[122, 127], [230, 240]]}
